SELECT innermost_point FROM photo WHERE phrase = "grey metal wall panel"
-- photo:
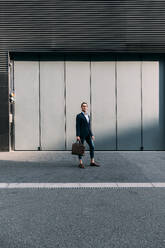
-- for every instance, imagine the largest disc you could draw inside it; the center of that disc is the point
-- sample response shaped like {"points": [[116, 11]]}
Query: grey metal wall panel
{"points": [[153, 124], [103, 104], [77, 91], [26, 80], [52, 105], [110, 89], [128, 105]]}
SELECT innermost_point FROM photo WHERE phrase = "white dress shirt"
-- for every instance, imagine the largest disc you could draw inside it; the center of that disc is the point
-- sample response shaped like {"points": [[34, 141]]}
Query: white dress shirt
{"points": [[86, 116]]}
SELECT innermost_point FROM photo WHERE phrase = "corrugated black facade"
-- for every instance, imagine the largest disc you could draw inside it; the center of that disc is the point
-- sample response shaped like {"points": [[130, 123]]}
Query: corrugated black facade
{"points": [[67, 26]]}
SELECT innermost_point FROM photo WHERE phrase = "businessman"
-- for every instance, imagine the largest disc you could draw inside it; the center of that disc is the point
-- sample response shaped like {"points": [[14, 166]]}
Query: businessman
{"points": [[83, 132]]}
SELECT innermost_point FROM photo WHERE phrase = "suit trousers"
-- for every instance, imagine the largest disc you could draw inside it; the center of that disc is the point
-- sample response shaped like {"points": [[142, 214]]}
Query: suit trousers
{"points": [[91, 145]]}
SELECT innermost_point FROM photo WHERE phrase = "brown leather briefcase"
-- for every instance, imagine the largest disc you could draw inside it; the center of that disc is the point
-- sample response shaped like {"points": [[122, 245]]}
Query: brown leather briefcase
{"points": [[78, 148]]}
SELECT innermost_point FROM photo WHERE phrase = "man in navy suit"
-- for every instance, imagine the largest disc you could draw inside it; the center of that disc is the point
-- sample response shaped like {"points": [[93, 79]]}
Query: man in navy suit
{"points": [[83, 132]]}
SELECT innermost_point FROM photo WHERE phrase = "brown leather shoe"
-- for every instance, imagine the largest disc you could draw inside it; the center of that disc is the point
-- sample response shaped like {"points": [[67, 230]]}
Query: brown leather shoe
{"points": [[94, 164], [81, 166]]}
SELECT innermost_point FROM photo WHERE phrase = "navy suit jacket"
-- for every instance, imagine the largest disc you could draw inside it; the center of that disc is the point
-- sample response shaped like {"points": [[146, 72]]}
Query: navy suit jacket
{"points": [[83, 128]]}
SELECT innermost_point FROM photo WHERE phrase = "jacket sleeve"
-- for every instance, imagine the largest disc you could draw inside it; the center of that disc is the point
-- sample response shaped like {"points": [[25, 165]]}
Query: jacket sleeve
{"points": [[77, 126], [90, 131]]}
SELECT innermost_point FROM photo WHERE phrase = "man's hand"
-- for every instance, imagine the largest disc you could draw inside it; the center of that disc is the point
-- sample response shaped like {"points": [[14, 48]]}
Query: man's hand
{"points": [[93, 137], [78, 137]]}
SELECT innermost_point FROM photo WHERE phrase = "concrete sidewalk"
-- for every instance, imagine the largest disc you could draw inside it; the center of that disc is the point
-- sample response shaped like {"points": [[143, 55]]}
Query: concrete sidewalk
{"points": [[58, 166]]}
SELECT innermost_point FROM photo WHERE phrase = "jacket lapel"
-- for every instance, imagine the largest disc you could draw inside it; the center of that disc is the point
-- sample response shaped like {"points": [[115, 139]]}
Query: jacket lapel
{"points": [[85, 117]]}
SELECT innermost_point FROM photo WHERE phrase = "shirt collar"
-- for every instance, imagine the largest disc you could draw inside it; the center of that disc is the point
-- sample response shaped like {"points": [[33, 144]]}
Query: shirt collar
{"points": [[84, 113]]}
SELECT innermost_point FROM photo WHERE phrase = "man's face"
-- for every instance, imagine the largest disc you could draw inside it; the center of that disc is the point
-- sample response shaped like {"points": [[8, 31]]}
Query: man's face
{"points": [[84, 107]]}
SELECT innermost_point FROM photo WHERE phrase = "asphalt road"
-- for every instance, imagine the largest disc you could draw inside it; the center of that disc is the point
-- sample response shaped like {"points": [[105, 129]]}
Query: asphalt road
{"points": [[88, 218], [82, 217]]}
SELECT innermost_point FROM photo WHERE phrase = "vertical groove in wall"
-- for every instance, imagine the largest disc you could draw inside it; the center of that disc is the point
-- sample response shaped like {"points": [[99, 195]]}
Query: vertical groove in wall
{"points": [[65, 101], [40, 134], [116, 101], [141, 64]]}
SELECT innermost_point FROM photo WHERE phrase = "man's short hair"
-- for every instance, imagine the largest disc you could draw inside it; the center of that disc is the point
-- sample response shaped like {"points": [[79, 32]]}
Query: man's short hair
{"points": [[84, 103]]}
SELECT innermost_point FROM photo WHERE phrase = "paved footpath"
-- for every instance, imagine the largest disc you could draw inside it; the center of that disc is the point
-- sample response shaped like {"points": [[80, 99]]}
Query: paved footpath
{"points": [[61, 167], [104, 207]]}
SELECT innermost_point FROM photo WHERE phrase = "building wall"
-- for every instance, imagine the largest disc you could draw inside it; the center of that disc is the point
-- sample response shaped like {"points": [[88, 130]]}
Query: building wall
{"points": [[125, 102], [73, 27]]}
